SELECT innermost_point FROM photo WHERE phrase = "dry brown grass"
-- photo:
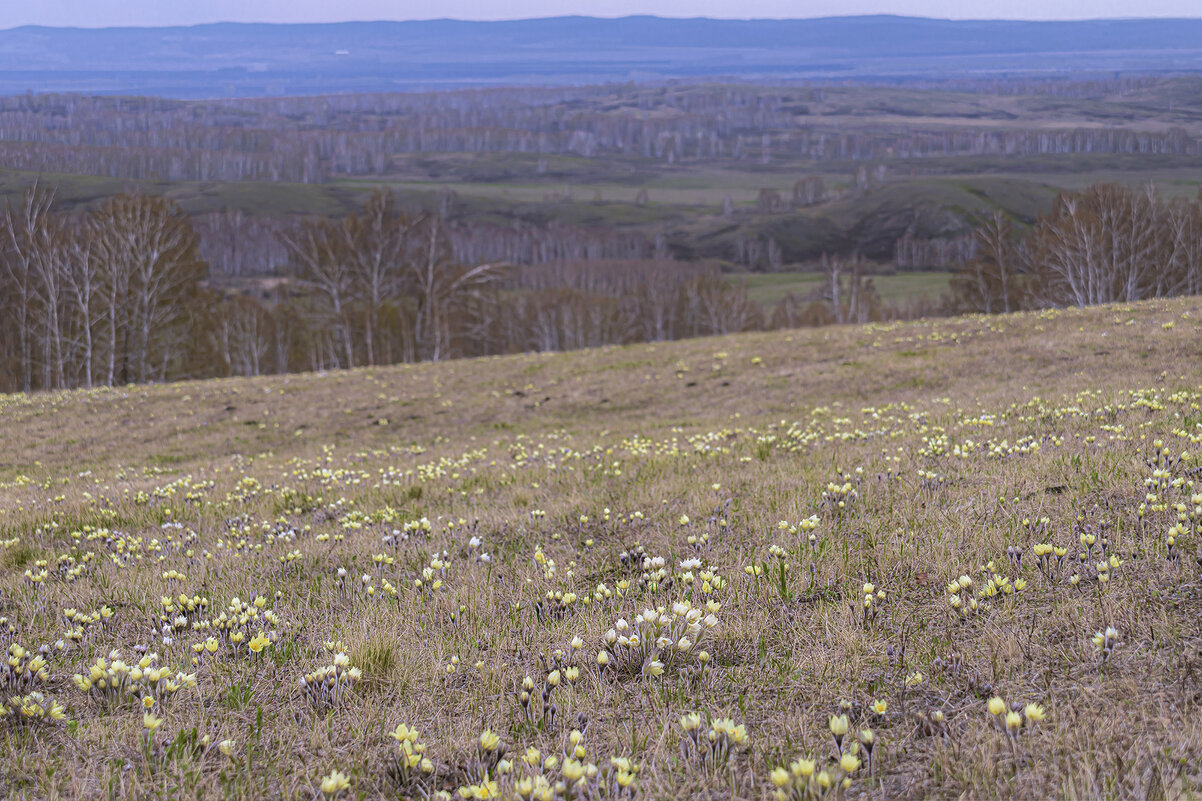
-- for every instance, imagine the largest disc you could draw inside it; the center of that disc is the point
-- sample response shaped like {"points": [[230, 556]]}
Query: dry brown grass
{"points": [[769, 419]]}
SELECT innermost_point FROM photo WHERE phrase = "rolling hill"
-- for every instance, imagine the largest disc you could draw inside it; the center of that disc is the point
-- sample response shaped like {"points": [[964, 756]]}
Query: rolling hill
{"points": [[245, 60]]}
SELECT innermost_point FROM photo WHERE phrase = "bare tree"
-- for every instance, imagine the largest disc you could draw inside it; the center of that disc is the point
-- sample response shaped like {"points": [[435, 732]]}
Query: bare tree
{"points": [[149, 253], [28, 246], [378, 244], [319, 262], [991, 282]]}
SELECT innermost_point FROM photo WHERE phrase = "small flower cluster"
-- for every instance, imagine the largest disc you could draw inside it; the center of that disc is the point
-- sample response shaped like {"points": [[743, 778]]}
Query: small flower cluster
{"points": [[433, 577], [848, 748], [1104, 643], [802, 781], [999, 584], [712, 746], [930, 481], [368, 585], [871, 604], [1012, 719], [330, 684], [556, 605], [21, 669], [112, 681], [1050, 558], [38, 573], [841, 495], [960, 597], [78, 622], [569, 776], [1176, 533], [559, 670], [183, 611], [655, 574], [1104, 567], [691, 578], [242, 622], [1107, 561], [412, 765], [476, 550], [31, 708], [412, 528], [660, 640]]}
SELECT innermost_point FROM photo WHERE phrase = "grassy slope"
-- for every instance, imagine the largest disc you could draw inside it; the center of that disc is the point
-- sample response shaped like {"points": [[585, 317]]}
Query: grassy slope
{"points": [[1062, 408], [769, 288]]}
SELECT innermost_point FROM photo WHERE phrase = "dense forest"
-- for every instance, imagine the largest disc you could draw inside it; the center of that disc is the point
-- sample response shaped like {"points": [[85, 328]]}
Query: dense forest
{"points": [[122, 292], [317, 139]]}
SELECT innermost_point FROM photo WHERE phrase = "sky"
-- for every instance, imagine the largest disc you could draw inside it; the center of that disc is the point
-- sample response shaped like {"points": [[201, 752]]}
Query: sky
{"points": [[101, 13]]}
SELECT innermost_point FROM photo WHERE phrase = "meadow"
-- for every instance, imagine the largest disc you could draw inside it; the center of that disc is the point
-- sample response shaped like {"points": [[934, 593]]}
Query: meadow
{"points": [[951, 558]]}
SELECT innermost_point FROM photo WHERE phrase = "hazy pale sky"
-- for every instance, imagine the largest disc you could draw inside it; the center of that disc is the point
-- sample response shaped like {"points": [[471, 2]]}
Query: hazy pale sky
{"points": [[98, 13]]}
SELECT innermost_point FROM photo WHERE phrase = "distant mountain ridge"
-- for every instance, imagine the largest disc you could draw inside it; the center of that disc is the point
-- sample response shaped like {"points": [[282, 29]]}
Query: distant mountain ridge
{"points": [[244, 59]]}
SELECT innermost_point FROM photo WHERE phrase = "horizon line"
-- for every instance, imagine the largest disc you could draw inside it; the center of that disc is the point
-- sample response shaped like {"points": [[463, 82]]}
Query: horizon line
{"points": [[824, 17]]}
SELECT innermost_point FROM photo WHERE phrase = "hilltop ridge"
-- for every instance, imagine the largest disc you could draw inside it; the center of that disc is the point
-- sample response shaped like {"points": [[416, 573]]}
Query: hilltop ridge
{"points": [[260, 59]]}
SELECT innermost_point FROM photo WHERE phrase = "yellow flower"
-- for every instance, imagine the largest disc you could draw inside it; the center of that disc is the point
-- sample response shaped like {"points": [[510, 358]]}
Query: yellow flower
{"points": [[150, 722], [489, 741], [850, 763], [334, 783], [404, 733], [779, 777], [227, 747], [1034, 713], [839, 725], [1013, 720], [996, 705]]}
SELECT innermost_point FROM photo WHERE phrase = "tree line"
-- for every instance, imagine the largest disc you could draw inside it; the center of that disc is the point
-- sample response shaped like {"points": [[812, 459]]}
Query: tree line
{"points": [[122, 293]]}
